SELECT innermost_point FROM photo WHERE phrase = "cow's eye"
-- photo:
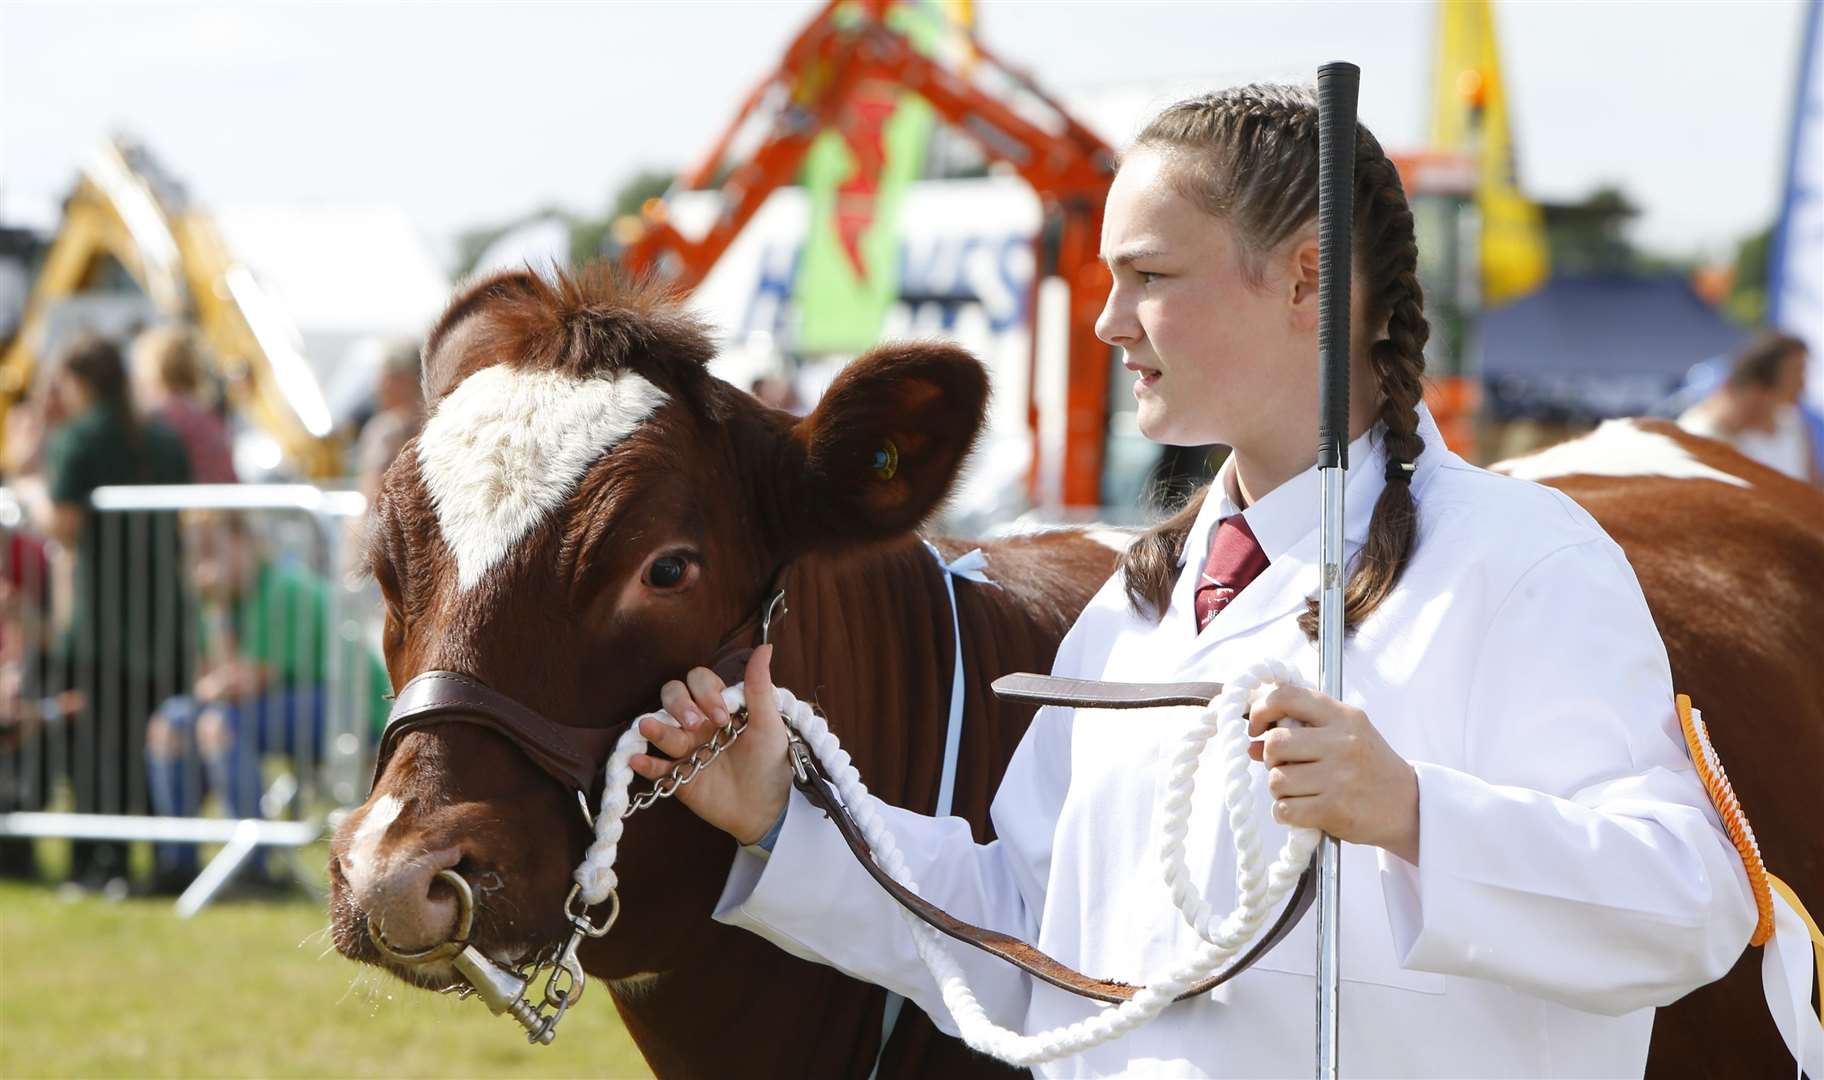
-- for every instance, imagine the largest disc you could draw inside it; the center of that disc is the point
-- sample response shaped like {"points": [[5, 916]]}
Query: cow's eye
{"points": [[668, 572]]}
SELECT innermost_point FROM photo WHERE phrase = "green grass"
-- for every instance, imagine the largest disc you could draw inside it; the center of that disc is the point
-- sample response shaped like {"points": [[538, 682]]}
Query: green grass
{"points": [[93, 988]]}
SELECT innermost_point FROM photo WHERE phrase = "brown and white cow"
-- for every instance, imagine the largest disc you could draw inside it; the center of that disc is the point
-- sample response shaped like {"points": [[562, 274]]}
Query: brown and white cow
{"points": [[588, 513]]}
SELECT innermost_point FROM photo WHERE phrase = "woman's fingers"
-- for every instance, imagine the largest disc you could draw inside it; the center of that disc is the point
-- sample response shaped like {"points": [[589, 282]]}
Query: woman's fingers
{"points": [[668, 740], [674, 698], [1284, 746], [1287, 701], [1282, 702], [652, 768], [762, 701], [706, 691], [1295, 781], [745, 792], [1300, 812]]}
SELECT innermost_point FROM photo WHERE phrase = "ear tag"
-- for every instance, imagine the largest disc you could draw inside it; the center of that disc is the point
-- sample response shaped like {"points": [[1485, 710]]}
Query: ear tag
{"points": [[886, 460]]}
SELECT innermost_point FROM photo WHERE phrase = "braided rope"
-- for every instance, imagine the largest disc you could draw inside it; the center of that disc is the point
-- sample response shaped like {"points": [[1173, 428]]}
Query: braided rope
{"points": [[1260, 890], [1226, 720], [1735, 819], [596, 872]]}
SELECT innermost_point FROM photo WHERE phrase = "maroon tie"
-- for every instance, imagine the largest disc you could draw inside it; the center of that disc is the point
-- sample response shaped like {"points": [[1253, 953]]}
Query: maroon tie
{"points": [[1235, 559]]}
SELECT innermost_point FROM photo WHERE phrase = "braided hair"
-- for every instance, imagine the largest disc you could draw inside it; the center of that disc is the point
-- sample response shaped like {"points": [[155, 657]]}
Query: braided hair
{"points": [[1249, 156]]}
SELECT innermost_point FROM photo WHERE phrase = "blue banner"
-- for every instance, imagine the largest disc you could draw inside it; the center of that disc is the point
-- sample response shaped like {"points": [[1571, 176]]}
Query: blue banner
{"points": [[1796, 275]]}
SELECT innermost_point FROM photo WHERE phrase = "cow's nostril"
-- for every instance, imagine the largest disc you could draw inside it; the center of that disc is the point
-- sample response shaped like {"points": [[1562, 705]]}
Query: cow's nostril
{"points": [[408, 905]]}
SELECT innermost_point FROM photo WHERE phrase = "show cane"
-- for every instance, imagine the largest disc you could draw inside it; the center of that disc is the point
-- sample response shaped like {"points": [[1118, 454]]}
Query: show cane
{"points": [[1337, 84]]}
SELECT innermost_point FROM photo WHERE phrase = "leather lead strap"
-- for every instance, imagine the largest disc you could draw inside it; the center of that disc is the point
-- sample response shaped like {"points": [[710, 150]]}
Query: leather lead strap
{"points": [[818, 790], [1094, 694]]}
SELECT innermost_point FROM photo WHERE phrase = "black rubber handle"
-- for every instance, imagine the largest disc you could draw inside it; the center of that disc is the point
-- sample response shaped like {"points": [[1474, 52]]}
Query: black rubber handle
{"points": [[1337, 83]]}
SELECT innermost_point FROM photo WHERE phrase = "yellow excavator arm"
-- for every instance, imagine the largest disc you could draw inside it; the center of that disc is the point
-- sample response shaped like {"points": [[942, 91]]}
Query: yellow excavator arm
{"points": [[124, 208]]}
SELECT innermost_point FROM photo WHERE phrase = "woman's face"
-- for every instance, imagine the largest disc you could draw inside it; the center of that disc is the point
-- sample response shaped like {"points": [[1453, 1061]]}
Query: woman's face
{"points": [[1791, 384], [1215, 352], [70, 395]]}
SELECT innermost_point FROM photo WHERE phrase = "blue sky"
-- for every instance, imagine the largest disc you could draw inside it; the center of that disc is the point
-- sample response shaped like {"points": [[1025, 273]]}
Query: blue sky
{"points": [[471, 114]]}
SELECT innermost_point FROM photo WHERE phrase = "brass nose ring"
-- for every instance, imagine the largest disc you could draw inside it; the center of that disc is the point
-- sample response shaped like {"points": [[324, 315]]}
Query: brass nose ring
{"points": [[455, 943]]}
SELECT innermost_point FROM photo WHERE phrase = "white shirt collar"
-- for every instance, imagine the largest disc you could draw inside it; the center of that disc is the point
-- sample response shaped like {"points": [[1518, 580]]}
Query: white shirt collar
{"points": [[1283, 517]]}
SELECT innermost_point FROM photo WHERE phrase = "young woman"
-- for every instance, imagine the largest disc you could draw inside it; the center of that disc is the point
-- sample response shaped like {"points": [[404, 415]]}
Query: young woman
{"points": [[124, 646], [1530, 863], [1758, 408], [170, 379]]}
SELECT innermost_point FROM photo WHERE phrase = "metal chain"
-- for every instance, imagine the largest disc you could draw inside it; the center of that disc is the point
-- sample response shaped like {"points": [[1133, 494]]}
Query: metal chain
{"points": [[686, 770]]}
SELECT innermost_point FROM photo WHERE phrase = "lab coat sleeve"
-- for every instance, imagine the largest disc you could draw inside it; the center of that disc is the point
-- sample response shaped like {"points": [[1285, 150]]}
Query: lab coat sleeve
{"points": [[811, 898], [1576, 855]]}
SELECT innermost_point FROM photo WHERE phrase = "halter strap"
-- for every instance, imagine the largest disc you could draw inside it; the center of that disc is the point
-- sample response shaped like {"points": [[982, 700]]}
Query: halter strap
{"points": [[570, 754]]}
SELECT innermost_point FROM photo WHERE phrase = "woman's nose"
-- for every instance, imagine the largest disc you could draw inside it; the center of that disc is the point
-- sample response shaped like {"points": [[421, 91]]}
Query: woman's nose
{"points": [[1117, 324]]}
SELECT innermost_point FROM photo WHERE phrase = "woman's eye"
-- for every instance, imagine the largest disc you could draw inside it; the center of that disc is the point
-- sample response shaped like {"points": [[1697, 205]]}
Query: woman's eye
{"points": [[1147, 276], [668, 572]]}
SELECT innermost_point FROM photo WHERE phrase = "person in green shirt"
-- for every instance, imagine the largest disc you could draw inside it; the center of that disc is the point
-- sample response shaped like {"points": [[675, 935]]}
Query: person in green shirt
{"points": [[263, 687], [123, 646]]}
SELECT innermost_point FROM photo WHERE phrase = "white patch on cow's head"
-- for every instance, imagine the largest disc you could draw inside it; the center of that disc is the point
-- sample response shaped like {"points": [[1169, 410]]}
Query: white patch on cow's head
{"points": [[362, 862], [507, 446], [1617, 448]]}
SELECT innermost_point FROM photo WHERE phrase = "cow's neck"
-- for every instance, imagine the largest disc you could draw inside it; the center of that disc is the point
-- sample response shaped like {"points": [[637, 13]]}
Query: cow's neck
{"points": [[870, 648], [869, 643]]}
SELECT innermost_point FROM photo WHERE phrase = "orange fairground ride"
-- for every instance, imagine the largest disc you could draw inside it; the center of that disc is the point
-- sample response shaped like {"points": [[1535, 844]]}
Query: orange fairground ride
{"points": [[850, 46]]}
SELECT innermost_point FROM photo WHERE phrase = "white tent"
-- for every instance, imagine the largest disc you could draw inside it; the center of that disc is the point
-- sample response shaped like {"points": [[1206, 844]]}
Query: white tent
{"points": [[345, 277]]}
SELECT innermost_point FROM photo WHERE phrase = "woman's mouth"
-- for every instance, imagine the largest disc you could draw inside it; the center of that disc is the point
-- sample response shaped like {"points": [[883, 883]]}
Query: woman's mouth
{"points": [[1147, 376]]}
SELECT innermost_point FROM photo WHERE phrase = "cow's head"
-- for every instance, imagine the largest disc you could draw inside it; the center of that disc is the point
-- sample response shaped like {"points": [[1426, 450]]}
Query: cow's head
{"points": [[586, 514]]}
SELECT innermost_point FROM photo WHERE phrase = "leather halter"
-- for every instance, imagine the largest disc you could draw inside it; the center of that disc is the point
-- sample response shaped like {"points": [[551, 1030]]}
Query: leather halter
{"points": [[572, 755]]}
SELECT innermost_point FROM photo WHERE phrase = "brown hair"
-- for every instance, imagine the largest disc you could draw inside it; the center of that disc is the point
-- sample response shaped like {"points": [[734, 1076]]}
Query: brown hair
{"points": [[172, 355], [95, 362], [1249, 156], [1759, 363]]}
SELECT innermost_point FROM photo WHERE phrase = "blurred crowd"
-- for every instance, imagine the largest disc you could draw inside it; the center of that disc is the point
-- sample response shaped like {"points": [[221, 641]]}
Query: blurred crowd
{"points": [[1755, 403], [152, 660]]}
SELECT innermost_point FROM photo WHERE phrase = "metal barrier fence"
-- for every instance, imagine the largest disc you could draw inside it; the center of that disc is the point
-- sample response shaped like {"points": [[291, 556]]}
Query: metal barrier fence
{"points": [[200, 668]]}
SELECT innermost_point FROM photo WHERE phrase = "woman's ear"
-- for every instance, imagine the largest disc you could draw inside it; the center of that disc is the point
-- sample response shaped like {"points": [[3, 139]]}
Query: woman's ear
{"points": [[885, 443], [1301, 287]]}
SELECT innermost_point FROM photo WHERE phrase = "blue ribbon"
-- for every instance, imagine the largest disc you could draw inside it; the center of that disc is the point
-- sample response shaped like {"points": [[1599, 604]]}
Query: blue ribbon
{"points": [[972, 565]]}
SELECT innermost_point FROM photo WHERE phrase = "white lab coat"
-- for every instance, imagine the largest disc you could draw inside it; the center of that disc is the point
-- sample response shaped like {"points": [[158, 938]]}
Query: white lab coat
{"points": [[1572, 874]]}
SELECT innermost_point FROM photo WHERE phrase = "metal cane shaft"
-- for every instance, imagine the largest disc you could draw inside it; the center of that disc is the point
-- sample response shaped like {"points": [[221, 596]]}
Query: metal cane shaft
{"points": [[1337, 84], [1329, 850]]}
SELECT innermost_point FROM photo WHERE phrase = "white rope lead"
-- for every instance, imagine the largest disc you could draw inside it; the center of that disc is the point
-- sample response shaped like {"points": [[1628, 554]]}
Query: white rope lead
{"points": [[1259, 889]]}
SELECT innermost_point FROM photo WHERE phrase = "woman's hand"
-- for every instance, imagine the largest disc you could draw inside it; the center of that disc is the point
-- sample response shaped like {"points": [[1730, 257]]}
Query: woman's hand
{"points": [[1335, 773], [744, 792]]}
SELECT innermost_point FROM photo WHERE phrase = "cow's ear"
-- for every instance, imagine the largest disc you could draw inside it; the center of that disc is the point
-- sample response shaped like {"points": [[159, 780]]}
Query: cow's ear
{"points": [[886, 441]]}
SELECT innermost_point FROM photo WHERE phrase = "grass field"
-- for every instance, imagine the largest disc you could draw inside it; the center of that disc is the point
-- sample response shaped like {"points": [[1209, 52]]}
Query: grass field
{"points": [[95, 988]]}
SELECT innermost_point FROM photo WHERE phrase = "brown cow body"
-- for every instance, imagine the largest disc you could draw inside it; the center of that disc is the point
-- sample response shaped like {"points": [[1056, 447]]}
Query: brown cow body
{"points": [[1733, 574], [575, 622]]}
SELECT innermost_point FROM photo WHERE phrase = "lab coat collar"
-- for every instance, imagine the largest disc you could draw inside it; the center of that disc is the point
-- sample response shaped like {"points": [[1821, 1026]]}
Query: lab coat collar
{"points": [[1285, 521]]}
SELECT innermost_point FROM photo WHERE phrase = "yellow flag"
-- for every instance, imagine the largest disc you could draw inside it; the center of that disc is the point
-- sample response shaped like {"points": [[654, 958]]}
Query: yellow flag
{"points": [[1469, 115]]}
